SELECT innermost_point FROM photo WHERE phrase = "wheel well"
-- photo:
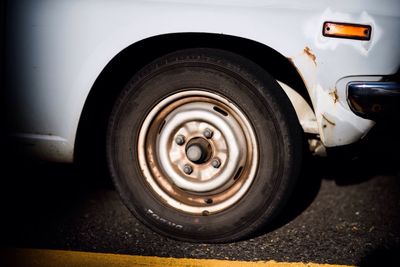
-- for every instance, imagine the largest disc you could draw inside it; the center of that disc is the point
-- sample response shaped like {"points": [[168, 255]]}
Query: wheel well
{"points": [[90, 139]]}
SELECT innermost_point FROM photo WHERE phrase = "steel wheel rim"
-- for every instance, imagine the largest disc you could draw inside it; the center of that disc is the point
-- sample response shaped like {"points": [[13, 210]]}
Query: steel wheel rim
{"points": [[174, 132]]}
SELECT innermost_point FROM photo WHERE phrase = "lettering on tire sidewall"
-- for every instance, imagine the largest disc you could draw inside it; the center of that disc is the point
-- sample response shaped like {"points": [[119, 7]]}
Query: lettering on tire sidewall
{"points": [[163, 220]]}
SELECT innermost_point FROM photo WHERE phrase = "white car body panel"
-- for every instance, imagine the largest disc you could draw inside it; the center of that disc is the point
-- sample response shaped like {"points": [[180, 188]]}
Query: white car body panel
{"points": [[57, 49]]}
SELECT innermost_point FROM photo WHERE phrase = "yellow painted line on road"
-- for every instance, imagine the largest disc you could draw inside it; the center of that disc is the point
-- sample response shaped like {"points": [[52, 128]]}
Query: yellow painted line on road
{"points": [[62, 258]]}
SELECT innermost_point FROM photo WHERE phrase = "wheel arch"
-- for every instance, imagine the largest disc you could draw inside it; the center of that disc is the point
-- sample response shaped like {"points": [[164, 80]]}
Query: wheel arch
{"points": [[89, 143]]}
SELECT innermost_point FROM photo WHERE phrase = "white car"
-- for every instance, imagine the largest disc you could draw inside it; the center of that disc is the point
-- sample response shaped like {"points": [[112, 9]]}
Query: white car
{"points": [[202, 108]]}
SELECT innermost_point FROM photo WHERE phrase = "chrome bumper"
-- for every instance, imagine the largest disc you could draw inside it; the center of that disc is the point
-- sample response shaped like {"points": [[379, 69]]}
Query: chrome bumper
{"points": [[374, 100]]}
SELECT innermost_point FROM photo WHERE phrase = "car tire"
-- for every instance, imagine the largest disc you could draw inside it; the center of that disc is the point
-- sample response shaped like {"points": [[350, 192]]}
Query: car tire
{"points": [[204, 146]]}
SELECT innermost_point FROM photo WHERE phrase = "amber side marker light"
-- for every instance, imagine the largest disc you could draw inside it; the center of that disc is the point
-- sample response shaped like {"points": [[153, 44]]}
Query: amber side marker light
{"points": [[347, 30]]}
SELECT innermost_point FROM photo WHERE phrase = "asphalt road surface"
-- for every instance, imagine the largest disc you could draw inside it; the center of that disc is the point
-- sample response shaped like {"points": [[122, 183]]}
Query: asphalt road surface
{"points": [[345, 211]]}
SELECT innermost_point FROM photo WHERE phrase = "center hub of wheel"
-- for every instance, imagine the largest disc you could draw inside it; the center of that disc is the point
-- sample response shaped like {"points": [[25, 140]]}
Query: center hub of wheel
{"points": [[200, 145], [198, 150]]}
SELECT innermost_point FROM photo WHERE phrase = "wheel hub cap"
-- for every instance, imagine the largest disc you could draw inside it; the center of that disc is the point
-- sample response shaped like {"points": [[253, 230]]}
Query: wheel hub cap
{"points": [[198, 150]]}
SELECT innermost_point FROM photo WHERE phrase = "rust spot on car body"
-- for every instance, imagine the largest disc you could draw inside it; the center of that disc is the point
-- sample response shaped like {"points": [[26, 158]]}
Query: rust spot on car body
{"points": [[334, 95], [310, 54]]}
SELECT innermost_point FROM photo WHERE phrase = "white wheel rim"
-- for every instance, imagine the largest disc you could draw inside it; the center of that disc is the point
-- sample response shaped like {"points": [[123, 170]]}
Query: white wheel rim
{"points": [[173, 134]]}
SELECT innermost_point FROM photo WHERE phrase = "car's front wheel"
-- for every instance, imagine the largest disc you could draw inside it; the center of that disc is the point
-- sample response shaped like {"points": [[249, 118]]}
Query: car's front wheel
{"points": [[203, 145]]}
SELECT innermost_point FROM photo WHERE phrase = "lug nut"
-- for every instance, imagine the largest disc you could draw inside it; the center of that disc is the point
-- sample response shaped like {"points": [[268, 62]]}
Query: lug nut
{"points": [[187, 169], [208, 133], [216, 163], [180, 140]]}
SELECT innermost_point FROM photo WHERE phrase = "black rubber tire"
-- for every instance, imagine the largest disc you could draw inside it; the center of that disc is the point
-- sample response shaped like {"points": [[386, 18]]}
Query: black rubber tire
{"points": [[256, 94]]}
